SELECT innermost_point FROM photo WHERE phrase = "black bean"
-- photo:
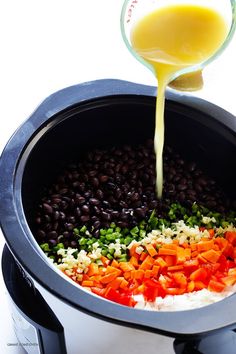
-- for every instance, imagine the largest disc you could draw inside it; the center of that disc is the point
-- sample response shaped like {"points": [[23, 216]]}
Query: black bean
{"points": [[63, 191], [97, 210], [192, 166], [52, 242], [122, 224], [94, 201], [87, 194], [47, 208], [66, 234], [55, 225], [201, 181], [52, 234], [97, 224], [153, 204], [103, 178], [56, 215], [106, 204], [95, 182], [182, 187], [71, 219], [41, 234], [115, 214], [85, 209], [136, 204], [64, 205], [92, 173], [105, 216], [96, 233], [38, 220], [135, 197], [99, 194], [111, 186], [73, 244], [77, 212], [140, 212], [85, 218], [81, 200]]}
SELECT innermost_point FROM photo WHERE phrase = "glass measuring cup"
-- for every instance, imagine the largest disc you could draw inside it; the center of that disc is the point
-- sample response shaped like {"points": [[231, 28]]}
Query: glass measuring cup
{"points": [[187, 78]]}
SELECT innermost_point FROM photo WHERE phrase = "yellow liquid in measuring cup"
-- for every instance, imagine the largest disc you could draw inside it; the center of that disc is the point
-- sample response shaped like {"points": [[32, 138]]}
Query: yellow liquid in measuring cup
{"points": [[170, 39]]}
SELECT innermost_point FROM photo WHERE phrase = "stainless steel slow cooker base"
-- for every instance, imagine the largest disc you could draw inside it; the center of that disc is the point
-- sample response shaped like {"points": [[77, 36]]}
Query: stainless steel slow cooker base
{"points": [[39, 331], [77, 119]]}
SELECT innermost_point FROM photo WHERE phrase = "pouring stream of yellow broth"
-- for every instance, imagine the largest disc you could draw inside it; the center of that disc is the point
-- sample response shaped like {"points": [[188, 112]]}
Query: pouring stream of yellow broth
{"points": [[170, 39]]}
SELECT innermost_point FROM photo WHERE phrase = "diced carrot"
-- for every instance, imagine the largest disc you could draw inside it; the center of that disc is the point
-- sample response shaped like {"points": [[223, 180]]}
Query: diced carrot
{"points": [[187, 253], [105, 260], [215, 286], [114, 270], [161, 262], [126, 266], [155, 270], [205, 245], [148, 273], [170, 246], [151, 250], [127, 275], [147, 263], [180, 256], [166, 252], [143, 255], [96, 278], [138, 274], [88, 283], [92, 269], [216, 247], [193, 246], [211, 256], [98, 291], [115, 263], [124, 284], [195, 254], [175, 242], [132, 250], [108, 278], [198, 274], [134, 261], [175, 268], [185, 245], [102, 270], [115, 284]]}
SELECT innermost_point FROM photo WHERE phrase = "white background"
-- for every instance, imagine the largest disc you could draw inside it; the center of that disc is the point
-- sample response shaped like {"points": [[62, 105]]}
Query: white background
{"points": [[47, 45]]}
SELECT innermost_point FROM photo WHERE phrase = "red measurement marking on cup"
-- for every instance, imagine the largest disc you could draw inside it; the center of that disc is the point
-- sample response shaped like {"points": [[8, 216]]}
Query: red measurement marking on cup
{"points": [[130, 10]]}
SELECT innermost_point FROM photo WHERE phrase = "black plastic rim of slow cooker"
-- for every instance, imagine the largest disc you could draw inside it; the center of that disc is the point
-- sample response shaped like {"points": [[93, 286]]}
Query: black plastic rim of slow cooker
{"points": [[191, 323]]}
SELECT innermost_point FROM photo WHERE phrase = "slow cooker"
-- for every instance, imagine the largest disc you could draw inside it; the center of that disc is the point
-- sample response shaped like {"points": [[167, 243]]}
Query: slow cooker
{"points": [[53, 315]]}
